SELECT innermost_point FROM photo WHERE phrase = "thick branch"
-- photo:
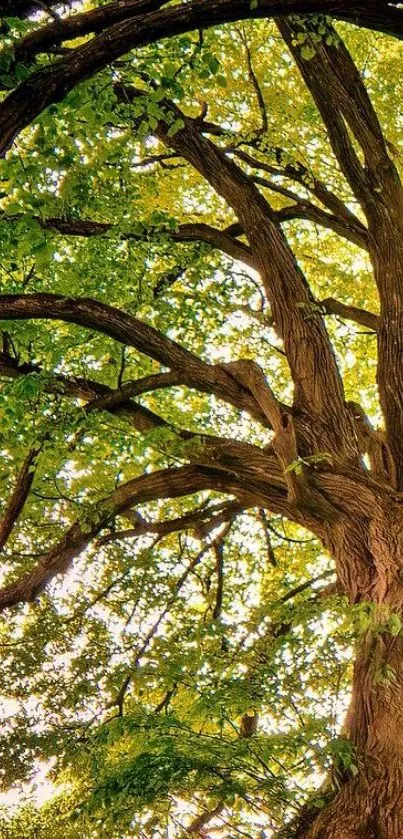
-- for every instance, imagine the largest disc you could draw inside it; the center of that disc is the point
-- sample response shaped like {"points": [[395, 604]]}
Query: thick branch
{"points": [[342, 99], [93, 21], [360, 316], [129, 330], [52, 83], [330, 98], [318, 386], [257, 487]]}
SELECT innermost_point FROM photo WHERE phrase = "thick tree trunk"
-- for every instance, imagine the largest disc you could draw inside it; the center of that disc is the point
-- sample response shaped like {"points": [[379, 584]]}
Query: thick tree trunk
{"points": [[369, 803]]}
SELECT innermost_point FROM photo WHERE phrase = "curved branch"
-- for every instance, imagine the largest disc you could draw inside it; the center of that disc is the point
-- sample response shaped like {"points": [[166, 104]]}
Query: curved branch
{"points": [[301, 174], [51, 84], [254, 81], [85, 23], [168, 483], [127, 329], [189, 232]]}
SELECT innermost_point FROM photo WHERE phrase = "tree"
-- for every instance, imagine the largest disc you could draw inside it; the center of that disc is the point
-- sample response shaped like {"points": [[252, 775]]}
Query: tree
{"points": [[202, 390]]}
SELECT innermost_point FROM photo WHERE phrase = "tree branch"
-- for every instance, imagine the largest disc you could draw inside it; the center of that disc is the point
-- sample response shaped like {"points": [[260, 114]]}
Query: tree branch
{"points": [[199, 520], [254, 81], [361, 316], [330, 98], [85, 23], [51, 84], [189, 232], [168, 483], [299, 173], [318, 386], [127, 329], [18, 496], [309, 212]]}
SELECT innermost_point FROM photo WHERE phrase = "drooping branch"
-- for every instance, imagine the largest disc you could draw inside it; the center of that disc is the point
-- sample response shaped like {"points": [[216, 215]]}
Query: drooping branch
{"points": [[262, 476], [260, 484]]}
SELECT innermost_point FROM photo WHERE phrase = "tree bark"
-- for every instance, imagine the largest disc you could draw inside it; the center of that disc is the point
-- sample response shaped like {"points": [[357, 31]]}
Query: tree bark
{"points": [[369, 804], [367, 796]]}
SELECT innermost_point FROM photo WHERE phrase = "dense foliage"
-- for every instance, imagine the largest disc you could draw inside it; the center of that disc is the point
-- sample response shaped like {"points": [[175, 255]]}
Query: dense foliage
{"points": [[176, 651]]}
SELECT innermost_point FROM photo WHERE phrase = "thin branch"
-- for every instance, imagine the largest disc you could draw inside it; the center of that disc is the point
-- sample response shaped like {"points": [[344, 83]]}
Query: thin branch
{"points": [[270, 552], [168, 483], [254, 81], [301, 174], [309, 212], [119, 699], [195, 520], [18, 496]]}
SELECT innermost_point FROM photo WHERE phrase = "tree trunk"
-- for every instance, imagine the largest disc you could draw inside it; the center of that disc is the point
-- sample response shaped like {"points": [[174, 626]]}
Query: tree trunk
{"points": [[369, 801]]}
